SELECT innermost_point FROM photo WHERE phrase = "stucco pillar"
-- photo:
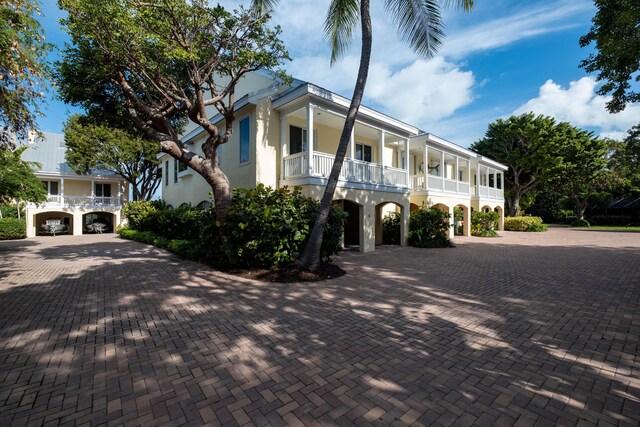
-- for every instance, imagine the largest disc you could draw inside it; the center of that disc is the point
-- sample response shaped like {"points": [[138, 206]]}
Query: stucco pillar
{"points": [[352, 143], [451, 223], [62, 191], [77, 223], [425, 167], [404, 223], [367, 233], [457, 173], [501, 219], [31, 229], [467, 221], [442, 167], [310, 137], [283, 145]]}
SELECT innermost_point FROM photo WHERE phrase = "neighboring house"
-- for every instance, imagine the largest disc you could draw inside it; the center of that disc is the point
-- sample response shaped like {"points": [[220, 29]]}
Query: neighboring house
{"points": [[76, 204], [385, 169]]}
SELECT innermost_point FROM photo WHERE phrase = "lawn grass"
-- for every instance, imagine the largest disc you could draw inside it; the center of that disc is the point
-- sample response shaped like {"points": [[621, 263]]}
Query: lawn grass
{"points": [[635, 229]]}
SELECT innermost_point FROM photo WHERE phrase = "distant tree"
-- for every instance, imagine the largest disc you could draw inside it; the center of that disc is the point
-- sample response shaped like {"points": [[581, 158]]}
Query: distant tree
{"points": [[624, 160], [528, 144], [23, 68], [583, 170], [161, 63], [18, 183], [129, 154], [616, 33]]}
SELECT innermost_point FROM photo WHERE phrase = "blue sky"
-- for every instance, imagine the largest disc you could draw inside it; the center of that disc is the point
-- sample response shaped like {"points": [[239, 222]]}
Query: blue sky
{"points": [[505, 57]]}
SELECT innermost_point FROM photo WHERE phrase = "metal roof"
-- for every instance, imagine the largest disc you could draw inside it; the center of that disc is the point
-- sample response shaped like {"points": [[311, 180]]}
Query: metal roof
{"points": [[49, 152], [631, 202]]}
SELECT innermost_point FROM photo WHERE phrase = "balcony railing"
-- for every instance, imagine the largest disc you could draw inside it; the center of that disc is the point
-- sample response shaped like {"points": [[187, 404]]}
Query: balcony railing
{"points": [[446, 185], [297, 166], [60, 200]]}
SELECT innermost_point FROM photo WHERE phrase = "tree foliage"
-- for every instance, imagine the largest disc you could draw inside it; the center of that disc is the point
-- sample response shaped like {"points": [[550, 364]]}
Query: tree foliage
{"points": [[17, 180], [129, 154], [624, 161], [528, 144], [162, 63], [23, 69], [616, 34]]}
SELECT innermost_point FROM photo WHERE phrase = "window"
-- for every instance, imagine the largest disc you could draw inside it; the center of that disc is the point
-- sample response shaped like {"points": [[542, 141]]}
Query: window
{"points": [[51, 187], [363, 152], [182, 167], [166, 173], [102, 190], [298, 138], [492, 182], [245, 140], [175, 171], [499, 181]]}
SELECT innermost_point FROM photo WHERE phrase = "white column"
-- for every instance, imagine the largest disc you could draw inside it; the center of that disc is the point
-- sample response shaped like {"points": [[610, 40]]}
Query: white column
{"points": [[406, 158], [93, 188], [425, 166], [442, 167], [381, 155], [487, 180], [119, 185], [310, 137], [352, 143], [478, 180], [62, 191], [457, 172], [283, 145]]}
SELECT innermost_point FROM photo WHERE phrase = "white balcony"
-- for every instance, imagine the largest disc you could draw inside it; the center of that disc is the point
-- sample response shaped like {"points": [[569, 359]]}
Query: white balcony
{"points": [[82, 201], [355, 171], [445, 185]]}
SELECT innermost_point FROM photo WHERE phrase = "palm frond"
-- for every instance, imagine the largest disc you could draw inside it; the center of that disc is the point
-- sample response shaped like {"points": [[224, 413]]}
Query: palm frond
{"points": [[342, 19], [420, 22], [264, 6]]}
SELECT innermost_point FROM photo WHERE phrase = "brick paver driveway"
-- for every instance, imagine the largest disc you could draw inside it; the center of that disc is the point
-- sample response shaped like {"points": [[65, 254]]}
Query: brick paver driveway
{"points": [[528, 329]]}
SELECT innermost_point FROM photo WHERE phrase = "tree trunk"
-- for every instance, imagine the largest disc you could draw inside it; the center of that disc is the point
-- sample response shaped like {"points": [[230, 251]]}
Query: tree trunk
{"points": [[221, 193], [515, 204], [310, 256]]}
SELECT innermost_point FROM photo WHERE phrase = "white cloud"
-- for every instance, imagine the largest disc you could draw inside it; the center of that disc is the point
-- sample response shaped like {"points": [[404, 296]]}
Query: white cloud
{"points": [[581, 106]]}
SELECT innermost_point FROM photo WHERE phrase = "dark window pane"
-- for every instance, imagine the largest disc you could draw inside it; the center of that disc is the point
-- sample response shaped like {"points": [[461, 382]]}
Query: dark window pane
{"points": [[359, 151], [245, 140], [175, 171], [295, 140], [367, 153], [106, 190], [53, 188], [98, 191]]}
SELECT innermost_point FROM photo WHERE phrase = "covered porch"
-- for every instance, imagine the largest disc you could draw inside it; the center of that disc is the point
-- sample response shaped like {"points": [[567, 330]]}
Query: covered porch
{"points": [[375, 156]]}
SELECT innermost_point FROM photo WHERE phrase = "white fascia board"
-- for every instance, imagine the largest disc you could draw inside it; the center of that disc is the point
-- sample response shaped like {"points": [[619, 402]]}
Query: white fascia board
{"points": [[448, 145], [344, 103], [490, 162], [76, 177]]}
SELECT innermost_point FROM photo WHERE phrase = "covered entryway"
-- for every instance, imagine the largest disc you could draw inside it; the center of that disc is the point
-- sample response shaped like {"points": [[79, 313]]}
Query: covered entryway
{"points": [[352, 225], [98, 222], [391, 214], [53, 223]]}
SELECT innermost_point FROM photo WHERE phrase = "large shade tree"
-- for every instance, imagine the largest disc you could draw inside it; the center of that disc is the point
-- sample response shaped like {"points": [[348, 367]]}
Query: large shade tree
{"points": [[23, 69], [163, 63], [125, 152], [18, 182], [624, 160], [529, 145], [615, 31], [418, 22]]}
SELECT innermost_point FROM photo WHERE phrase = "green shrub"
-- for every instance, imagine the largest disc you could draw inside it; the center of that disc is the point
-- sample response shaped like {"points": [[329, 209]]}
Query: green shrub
{"points": [[12, 228], [139, 214], [183, 223], [267, 227], [565, 216], [391, 228], [524, 223], [484, 224], [429, 228], [10, 210], [183, 248], [580, 223]]}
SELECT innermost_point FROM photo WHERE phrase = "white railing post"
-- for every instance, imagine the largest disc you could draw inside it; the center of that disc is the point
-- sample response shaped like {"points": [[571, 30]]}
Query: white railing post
{"points": [[310, 137], [283, 145]]}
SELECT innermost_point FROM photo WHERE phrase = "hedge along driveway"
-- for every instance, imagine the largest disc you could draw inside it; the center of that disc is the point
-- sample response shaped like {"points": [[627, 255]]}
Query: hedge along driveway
{"points": [[527, 328]]}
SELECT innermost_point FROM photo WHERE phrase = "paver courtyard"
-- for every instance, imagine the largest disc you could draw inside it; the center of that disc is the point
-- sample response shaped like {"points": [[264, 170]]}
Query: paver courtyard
{"points": [[527, 329]]}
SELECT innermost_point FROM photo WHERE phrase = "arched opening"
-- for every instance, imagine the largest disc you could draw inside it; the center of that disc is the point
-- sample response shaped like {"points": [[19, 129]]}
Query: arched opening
{"points": [[499, 210], [413, 207], [205, 204], [53, 223], [97, 222], [462, 218], [352, 225], [388, 223], [486, 209]]}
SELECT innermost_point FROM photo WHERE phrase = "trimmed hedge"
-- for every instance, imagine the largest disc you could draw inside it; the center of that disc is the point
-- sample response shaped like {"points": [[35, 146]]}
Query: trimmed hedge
{"points": [[484, 224], [580, 223], [12, 228], [524, 223], [264, 228], [183, 248], [429, 228]]}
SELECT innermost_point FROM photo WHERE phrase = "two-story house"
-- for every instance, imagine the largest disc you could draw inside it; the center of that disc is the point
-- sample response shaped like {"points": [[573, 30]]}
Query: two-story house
{"points": [[76, 204], [289, 135]]}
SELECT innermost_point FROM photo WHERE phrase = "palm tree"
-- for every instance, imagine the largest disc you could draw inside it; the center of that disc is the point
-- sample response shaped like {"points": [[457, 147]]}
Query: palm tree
{"points": [[419, 23]]}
